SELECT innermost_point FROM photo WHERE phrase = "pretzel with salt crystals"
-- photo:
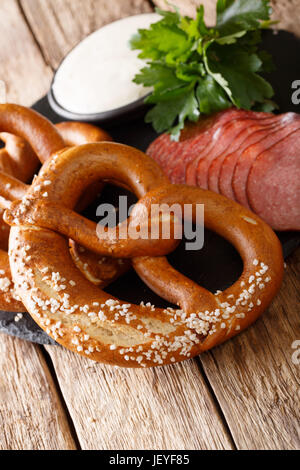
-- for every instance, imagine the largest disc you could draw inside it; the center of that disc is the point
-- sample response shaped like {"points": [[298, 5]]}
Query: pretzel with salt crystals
{"points": [[20, 161], [12, 158], [87, 320]]}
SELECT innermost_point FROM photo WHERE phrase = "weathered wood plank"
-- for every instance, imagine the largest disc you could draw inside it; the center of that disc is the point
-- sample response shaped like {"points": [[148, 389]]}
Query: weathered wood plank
{"points": [[286, 11], [188, 7], [114, 408], [60, 24], [31, 414], [23, 69], [255, 378]]}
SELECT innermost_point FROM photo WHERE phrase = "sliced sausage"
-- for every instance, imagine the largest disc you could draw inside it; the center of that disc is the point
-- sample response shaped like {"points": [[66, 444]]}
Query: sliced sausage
{"points": [[273, 185], [289, 123], [223, 168], [197, 143], [222, 140], [233, 150]]}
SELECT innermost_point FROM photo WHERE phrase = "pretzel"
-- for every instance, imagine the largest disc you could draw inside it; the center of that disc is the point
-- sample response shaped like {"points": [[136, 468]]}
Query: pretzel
{"points": [[100, 270], [20, 161], [16, 158], [84, 318], [44, 139], [79, 133], [20, 127], [12, 157]]}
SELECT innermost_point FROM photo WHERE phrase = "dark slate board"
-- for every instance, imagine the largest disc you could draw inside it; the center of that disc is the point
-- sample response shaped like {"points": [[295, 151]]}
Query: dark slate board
{"points": [[218, 264]]}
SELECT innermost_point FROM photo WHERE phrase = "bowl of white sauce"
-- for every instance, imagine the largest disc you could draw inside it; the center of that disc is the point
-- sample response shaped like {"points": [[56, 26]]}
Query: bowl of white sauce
{"points": [[94, 81]]}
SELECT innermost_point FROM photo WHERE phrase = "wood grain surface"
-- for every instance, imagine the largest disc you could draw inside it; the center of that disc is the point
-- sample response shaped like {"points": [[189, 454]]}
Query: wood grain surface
{"points": [[243, 394], [162, 408], [286, 12], [31, 413], [58, 25], [20, 57], [254, 377]]}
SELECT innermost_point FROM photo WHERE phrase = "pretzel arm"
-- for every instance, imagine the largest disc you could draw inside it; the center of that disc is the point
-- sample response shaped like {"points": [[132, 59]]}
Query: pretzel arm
{"points": [[79, 133], [44, 139], [53, 216], [20, 161], [11, 189], [8, 295], [100, 270]]}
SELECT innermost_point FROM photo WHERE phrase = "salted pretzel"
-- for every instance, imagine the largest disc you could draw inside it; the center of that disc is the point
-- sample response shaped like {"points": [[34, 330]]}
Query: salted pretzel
{"points": [[79, 133], [19, 160], [87, 320]]}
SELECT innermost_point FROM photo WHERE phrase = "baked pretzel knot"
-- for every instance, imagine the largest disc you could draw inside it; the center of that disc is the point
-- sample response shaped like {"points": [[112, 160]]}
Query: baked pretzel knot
{"points": [[33, 140], [86, 319]]}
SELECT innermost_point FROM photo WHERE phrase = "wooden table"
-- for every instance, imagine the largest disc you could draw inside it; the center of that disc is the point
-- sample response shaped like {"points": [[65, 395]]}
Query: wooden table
{"points": [[244, 394]]}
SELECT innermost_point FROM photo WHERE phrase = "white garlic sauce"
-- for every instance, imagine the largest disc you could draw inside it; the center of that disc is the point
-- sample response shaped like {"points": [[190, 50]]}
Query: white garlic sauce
{"points": [[96, 76]]}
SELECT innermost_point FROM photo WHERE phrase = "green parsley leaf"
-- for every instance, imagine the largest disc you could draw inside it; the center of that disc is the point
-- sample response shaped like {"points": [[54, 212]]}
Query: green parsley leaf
{"points": [[241, 15], [162, 40], [170, 17], [211, 96], [239, 70], [195, 28], [190, 72], [159, 76], [194, 69], [267, 107], [165, 114]]}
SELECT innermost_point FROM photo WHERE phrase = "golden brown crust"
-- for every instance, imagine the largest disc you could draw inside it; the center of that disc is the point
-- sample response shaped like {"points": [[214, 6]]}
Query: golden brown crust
{"points": [[85, 319], [42, 136], [9, 300], [19, 162], [79, 133], [100, 270]]}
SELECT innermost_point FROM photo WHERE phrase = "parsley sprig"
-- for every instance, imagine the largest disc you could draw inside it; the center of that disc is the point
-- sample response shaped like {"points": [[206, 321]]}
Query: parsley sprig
{"points": [[194, 69]]}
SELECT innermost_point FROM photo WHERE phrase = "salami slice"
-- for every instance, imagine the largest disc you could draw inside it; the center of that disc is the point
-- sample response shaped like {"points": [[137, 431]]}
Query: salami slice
{"points": [[197, 144], [231, 153], [289, 123], [182, 158], [273, 185], [166, 152], [190, 171], [222, 140], [221, 171], [162, 149], [199, 151], [195, 139]]}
